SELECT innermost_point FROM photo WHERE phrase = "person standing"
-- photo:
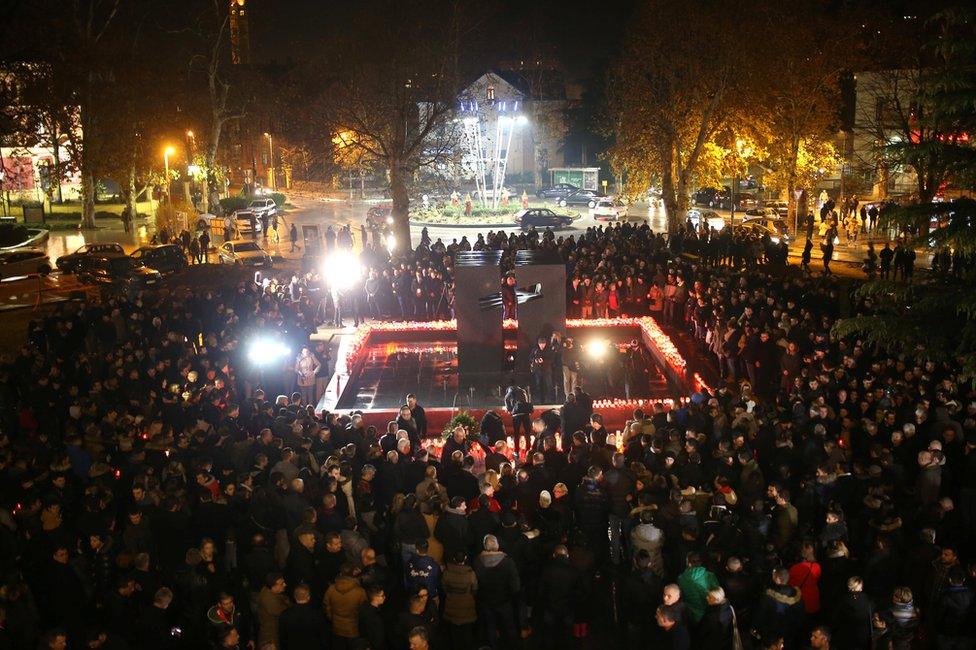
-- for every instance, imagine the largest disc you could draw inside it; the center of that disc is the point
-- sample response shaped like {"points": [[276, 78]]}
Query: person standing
{"points": [[520, 408], [307, 367], [293, 236], [885, 257], [272, 602], [460, 585], [342, 602], [205, 246], [827, 248], [498, 590]]}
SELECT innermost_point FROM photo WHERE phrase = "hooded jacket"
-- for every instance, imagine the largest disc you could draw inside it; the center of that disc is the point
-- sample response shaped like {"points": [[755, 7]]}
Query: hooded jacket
{"points": [[498, 578], [460, 586], [780, 612], [695, 583], [342, 601]]}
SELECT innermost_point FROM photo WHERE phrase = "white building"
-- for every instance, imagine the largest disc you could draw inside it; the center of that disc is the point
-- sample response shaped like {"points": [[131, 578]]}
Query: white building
{"points": [[529, 104]]}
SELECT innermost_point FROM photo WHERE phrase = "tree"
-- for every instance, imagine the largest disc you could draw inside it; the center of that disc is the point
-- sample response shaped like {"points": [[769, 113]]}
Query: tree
{"points": [[808, 52], [683, 76], [394, 101], [223, 104], [936, 318]]}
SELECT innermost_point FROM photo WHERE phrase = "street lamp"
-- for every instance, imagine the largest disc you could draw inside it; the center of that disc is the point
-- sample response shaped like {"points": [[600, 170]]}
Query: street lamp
{"points": [[271, 167], [169, 151]]}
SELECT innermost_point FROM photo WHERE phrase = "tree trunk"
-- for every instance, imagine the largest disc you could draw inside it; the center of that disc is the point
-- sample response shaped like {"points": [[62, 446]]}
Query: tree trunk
{"points": [[670, 194], [401, 207], [56, 156], [131, 196], [87, 200], [791, 185]]}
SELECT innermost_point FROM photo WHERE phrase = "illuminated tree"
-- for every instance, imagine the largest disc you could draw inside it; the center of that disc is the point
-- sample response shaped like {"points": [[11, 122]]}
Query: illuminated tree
{"points": [[807, 53], [395, 100], [684, 75]]}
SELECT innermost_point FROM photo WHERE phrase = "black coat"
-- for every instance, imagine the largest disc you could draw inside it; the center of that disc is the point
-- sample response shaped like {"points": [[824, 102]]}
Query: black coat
{"points": [[454, 533], [715, 628], [302, 627], [371, 627], [851, 622], [559, 586], [592, 506], [498, 579]]}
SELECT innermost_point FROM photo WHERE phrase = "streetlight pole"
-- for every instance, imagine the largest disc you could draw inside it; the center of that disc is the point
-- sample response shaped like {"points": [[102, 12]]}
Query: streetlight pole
{"points": [[274, 180]]}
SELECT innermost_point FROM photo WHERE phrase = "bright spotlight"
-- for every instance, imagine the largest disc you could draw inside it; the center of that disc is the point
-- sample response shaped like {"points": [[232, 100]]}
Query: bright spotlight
{"points": [[391, 242], [470, 120], [342, 269], [266, 351], [522, 120], [597, 349]]}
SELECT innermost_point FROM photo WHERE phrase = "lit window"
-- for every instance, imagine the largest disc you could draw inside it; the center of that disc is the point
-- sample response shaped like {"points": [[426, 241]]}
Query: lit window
{"points": [[491, 93]]}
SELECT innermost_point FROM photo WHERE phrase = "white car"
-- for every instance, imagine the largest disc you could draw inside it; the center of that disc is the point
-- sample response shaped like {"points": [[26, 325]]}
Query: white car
{"points": [[244, 252], [774, 227], [609, 209], [243, 221], [704, 215], [25, 261], [261, 207]]}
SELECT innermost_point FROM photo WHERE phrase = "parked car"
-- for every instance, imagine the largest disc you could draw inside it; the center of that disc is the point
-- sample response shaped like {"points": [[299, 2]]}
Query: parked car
{"points": [[588, 198], [609, 209], [242, 252], [541, 218], [705, 196], [264, 206], [767, 213], [247, 222], [746, 201], [782, 207], [774, 227], [69, 263], [118, 272], [24, 261], [710, 217], [557, 191], [165, 258]]}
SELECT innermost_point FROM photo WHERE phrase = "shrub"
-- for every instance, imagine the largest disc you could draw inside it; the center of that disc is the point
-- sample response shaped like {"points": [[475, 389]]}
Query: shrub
{"points": [[12, 234], [232, 203], [278, 198], [464, 419]]}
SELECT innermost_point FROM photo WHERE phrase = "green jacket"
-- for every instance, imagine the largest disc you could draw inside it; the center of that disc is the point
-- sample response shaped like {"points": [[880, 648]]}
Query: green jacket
{"points": [[695, 584]]}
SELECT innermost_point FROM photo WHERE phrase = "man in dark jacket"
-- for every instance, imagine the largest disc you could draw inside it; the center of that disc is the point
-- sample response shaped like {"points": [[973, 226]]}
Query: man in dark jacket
{"points": [[303, 625], [498, 589], [620, 484], [592, 508], [304, 561], [851, 618], [953, 616], [715, 627], [558, 591], [574, 418], [780, 611], [372, 628], [452, 529]]}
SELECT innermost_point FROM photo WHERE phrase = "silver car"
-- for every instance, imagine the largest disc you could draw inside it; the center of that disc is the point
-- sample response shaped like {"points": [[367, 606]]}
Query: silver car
{"points": [[24, 261]]}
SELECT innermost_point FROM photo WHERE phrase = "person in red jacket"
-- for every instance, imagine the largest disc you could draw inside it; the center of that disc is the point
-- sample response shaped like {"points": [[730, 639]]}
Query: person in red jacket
{"points": [[805, 576]]}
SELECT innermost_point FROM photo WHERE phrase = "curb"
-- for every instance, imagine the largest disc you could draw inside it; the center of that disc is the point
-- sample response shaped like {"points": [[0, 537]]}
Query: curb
{"points": [[428, 224]]}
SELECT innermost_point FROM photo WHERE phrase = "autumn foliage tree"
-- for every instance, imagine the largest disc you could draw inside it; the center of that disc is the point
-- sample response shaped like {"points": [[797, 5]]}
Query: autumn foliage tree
{"points": [[684, 76]]}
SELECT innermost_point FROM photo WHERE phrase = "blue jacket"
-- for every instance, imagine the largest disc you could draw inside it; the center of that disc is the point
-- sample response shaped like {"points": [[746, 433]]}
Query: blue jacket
{"points": [[421, 572]]}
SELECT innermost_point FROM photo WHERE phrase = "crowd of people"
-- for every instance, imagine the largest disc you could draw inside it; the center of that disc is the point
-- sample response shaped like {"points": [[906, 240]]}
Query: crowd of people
{"points": [[157, 493]]}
